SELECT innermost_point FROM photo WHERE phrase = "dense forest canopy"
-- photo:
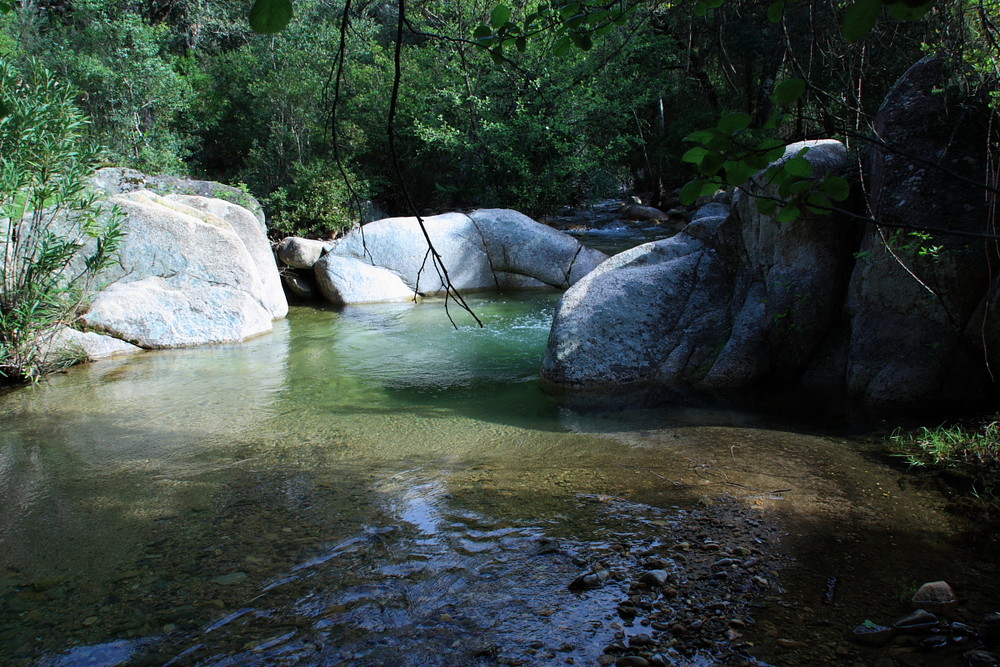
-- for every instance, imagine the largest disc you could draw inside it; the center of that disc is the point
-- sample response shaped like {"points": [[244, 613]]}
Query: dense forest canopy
{"points": [[557, 117]]}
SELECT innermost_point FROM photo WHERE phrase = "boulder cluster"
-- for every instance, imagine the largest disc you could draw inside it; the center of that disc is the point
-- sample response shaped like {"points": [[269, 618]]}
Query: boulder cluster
{"points": [[892, 316], [390, 259]]}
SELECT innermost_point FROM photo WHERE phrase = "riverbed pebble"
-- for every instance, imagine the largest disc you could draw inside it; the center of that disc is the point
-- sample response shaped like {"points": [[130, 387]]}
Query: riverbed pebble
{"points": [[934, 595]]}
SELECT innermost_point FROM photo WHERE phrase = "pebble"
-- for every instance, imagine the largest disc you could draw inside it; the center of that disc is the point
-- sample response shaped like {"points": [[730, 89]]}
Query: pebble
{"points": [[989, 630], [934, 641], [871, 634], [631, 661], [228, 579], [918, 620], [934, 594], [980, 659], [655, 578]]}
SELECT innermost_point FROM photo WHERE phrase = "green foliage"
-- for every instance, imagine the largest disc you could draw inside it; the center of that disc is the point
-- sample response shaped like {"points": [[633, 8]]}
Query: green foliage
{"points": [[270, 16], [316, 204], [135, 93], [958, 445], [54, 234], [571, 24]]}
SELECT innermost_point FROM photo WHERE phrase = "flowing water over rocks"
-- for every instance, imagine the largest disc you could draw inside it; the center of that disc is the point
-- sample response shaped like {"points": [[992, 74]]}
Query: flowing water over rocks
{"points": [[371, 486]]}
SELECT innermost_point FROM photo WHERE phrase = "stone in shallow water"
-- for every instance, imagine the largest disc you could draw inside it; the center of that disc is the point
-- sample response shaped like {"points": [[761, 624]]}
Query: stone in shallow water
{"points": [[231, 578], [593, 579], [989, 630], [980, 659], [871, 634], [934, 594], [918, 620], [655, 577]]}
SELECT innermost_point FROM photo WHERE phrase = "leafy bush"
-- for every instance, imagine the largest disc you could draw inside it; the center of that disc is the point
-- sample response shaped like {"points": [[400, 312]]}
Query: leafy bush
{"points": [[55, 235], [316, 204]]}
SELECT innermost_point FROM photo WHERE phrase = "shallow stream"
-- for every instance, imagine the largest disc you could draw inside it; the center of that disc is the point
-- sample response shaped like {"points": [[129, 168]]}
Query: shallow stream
{"points": [[375, 486]]}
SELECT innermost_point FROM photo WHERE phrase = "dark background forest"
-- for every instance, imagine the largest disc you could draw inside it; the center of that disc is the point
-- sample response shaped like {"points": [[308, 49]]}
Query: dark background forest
{"points": [[185, 87]]}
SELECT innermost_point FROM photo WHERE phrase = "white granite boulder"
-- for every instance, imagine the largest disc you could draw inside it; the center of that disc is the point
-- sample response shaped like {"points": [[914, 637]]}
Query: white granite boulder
{"points": [[487, 249], [191, 270]]}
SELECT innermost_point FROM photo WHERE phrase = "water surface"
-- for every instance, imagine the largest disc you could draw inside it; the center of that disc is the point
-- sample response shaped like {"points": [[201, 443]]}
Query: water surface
{"points": [[376, 485]]}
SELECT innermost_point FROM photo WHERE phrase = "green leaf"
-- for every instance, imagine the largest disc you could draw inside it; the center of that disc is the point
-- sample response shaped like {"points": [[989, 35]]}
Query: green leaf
{"points": [[695, 155], [481, 31], [700, 136], [907, 11], [500, 16], [819, 204], [799, 167], [860, 19], [497, 56], [561, 47], [270, 16], [710, 164], [582, 40], [714, 4], [690, 192], [698, 188], [521, 43], [836, 188], [788, 214], [788, 91], [5, 109], [734, 122], [776, 11], [767, 206], [737, 172]]}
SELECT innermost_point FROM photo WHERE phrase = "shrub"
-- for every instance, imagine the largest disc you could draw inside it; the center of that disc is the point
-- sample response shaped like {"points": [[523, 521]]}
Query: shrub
{"points": [[317, 204], [55, 234]]}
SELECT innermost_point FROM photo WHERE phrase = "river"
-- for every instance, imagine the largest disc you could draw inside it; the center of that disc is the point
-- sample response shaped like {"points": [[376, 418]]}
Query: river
{"points": [[375, 485]]}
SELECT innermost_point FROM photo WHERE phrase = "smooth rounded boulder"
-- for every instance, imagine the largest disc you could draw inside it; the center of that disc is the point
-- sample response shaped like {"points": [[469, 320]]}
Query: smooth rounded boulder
{"points": [[186, 275], [489, 249]]}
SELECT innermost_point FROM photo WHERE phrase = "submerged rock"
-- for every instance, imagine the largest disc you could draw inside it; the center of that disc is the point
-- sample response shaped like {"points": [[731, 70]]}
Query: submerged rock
{"points": [[871, 634], [989, 630]]}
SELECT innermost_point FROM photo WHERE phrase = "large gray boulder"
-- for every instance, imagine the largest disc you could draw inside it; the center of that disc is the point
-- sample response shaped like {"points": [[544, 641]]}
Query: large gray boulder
{"points": [[191, 271], [875, 313], [299, 253], [656, 311], [487, 249], [923, 329], [727, 303], [790, 280]]}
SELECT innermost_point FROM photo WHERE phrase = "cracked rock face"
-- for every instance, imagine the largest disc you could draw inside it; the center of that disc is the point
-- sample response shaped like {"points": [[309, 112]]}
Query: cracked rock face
{"points": [[191, 271], [728, 302], [488, 249]]}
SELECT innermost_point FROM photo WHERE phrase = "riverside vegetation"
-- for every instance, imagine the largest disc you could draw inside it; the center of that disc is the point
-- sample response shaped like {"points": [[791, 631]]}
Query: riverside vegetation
{"points": [[188, 89]]}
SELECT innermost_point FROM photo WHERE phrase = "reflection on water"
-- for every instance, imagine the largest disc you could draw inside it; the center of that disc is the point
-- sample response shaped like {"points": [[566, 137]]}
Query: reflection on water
{"points": [[371, 486]]}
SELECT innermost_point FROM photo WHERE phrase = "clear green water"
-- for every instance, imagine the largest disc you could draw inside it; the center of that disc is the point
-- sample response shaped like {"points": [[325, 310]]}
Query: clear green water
{"points": [[368, 486]]}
